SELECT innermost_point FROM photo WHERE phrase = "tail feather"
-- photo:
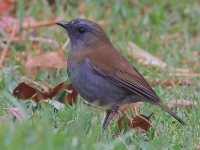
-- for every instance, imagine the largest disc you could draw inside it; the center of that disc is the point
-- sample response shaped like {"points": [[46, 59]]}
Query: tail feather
{"points": [[170, 112]]}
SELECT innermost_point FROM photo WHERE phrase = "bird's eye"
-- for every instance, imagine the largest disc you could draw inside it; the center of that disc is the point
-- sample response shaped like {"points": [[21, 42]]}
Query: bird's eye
{"points": [[81, 30]]}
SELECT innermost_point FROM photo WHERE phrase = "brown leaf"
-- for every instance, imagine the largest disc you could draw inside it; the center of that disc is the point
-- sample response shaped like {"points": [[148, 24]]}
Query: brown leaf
{"points": [[61, 88], [169, 83], [9, 23], [189, 75], [82, 9], [25, 91], [129, 107], [4, 117], [198, 147], [16, 112], [144, 57], [137, 123], [5, 49], [47, 59], [148, 59], [56, 104], [167, 37], [181, 103], [6, 6], [145, 9]]}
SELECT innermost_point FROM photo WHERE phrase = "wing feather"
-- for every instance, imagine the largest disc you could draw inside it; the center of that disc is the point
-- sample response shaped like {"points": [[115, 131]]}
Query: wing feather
{"points": [[136, 84]]}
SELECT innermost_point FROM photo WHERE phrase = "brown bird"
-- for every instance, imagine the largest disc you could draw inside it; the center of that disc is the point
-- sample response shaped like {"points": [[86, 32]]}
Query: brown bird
{"points": [[101, 73]]}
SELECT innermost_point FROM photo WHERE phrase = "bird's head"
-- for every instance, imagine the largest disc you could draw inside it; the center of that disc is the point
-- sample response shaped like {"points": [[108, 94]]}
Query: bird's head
{"points": [[83, 32]]}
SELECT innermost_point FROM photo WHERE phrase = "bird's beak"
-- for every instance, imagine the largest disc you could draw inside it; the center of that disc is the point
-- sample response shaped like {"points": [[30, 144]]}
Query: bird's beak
{"points": [[62, 24]]}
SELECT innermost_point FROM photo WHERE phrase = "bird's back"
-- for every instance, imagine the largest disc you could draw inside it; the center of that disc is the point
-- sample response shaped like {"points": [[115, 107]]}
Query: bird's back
{"points": [[117, 68]]}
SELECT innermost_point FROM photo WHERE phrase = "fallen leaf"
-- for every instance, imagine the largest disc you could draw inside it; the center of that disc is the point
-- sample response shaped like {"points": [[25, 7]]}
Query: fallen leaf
{"points": [[138, 123], [148, 59], [169, 83], [197, 147], [60, 90], [129, 107], [16, 112], [47, 59], [55, 104], [21, 40], [5, 49], [5, 117], [167, 37], [145, 9], [189, 75], [144, 57], [9, 23], [6, 6], [25, 91], [44, 88], [82, 9], [181, 103]]}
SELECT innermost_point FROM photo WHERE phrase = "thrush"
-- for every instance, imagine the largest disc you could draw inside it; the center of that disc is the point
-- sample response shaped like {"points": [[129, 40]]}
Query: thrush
{"points": [[100, 73]]}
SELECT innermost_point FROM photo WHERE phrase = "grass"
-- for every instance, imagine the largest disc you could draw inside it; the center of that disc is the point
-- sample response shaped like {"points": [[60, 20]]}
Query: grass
{"points": [[145, 23]]}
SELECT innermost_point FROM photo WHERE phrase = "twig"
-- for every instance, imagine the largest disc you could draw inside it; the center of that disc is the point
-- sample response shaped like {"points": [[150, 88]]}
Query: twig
{"points": [[49, 23], [94, 106], [172, 36], [38, 24], [101, 23], [36, 39], [185, 74], [33, 25], [7, 46], [43, 87], [65, 44]]}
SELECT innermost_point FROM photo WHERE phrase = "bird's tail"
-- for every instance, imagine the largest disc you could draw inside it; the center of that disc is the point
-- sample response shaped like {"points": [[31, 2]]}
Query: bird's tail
{"points": [[170, 112]]}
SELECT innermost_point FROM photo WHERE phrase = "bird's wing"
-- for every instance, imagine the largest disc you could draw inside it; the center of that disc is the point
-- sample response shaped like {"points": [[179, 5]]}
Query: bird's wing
{"points": [[134, 82]]}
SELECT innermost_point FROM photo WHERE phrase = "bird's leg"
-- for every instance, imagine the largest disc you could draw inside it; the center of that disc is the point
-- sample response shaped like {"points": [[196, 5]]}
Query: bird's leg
{"points": [[109, 115]]}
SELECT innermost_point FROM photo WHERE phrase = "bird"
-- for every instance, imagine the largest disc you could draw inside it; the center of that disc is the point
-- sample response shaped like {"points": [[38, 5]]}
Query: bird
{"points": [[101, 74]]}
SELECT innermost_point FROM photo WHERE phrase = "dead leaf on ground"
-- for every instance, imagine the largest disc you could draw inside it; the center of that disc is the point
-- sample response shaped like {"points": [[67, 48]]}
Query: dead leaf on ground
{"points": [[61, 89], [44, 88], [169, 83], [148, 59], [188, 75], [9, 23], [55, 104], [138, 123], [167, 37], [181, 103], [5, 49], [6, 6], [45, 60], [4, 118], [130, 107], [197, 147], [16, 112], [145, 9], [25, 91], [82, 9], [144, 57], [21, 40]]}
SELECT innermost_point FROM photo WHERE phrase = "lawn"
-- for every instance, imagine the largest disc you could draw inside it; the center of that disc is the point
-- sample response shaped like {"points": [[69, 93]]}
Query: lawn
{"points": [[169, 30]]}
